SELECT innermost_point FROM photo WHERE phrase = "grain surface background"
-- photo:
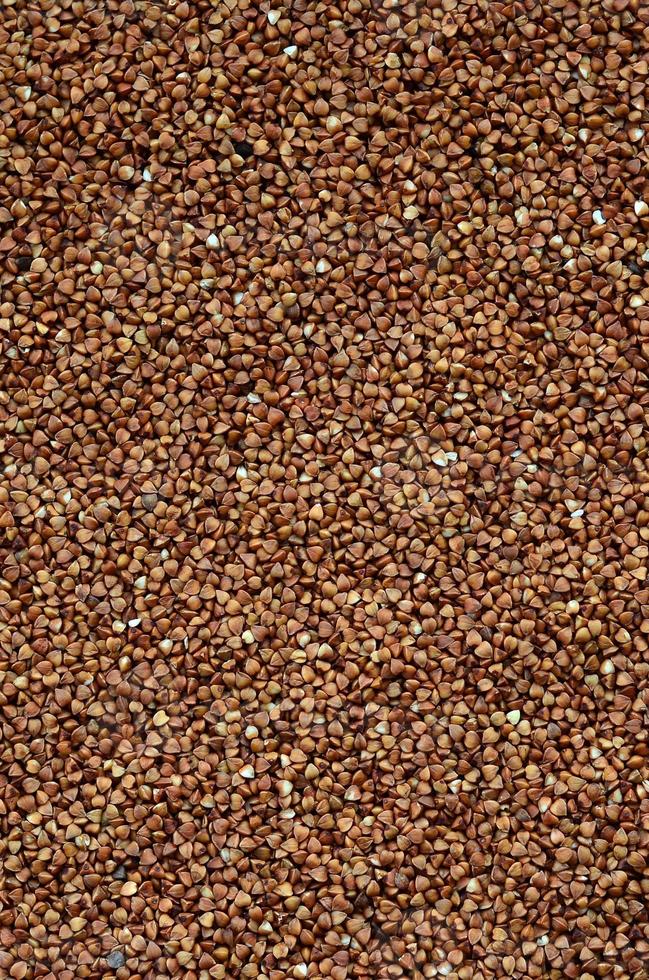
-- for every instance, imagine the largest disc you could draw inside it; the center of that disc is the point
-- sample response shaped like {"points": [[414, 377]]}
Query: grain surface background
{"points": [[324, 614]]}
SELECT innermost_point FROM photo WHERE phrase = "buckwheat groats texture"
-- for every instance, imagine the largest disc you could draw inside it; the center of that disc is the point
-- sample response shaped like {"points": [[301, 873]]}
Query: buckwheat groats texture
{"points": [[324, 403]]}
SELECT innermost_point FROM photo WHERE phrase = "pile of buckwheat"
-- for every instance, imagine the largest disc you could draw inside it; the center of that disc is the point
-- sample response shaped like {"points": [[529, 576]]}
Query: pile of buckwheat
{"points": [[324, 489]]}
